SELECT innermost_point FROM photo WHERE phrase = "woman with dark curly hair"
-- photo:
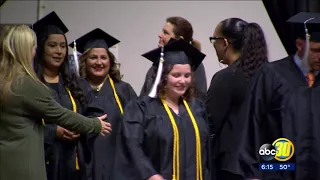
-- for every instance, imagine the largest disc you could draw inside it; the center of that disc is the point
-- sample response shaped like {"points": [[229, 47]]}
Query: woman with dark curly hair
{"points": [[242, 47], [99, 67], [166, 132], [65, 152]]}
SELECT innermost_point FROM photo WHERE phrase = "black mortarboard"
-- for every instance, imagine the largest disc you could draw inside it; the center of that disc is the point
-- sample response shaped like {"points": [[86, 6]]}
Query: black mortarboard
{"points": [[177, 52], [50, 24], [96, 38], [312, 22], [174, 52]]}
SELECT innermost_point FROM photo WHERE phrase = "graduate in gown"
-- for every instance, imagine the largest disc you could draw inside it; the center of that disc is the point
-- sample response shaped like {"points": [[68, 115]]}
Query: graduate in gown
{"points": [[166, 132], [65, 150], [242, 46], [99, 67], [285, 103], [25, 100], [178, 27]]}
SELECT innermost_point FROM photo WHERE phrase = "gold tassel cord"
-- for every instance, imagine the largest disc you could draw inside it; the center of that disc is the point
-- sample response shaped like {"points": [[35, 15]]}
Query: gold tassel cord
{"points": [[115, 94], [74, 107], [176, 153], [198, 142], [176, 147]]}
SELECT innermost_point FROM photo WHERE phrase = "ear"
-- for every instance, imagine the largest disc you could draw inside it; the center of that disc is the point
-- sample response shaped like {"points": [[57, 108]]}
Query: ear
{"points": [[226, 42], [300, 45]]}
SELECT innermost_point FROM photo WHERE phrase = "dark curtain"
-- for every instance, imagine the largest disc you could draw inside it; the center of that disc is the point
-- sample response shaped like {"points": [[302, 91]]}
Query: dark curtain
{"points": [[281, 10], [2, 2]]}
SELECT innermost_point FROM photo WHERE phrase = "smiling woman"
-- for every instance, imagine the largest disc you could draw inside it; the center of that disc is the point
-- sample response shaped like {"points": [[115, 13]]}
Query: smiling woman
{"points": [[171, 125], [99, 67], [177, 27], [63, 149]]}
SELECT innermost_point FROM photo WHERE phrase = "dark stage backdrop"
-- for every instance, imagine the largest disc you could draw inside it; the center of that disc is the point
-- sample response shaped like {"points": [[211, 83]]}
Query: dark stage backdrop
{"points": [[281, 10]]}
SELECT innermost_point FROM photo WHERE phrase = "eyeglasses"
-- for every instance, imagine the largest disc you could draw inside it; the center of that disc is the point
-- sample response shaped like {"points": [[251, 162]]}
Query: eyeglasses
{"points": [[213, 39]]}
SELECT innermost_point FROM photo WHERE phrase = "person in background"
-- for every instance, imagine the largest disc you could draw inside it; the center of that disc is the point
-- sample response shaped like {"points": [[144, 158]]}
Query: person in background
{"points": [[99, 67], [241, 46], [65, 151], [25, 101], [167, 133], [285, 101], [178, 27]]}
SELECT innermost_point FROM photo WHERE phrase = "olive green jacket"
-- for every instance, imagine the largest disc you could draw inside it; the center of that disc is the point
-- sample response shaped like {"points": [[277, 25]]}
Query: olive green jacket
{"points": [[21, 129]]}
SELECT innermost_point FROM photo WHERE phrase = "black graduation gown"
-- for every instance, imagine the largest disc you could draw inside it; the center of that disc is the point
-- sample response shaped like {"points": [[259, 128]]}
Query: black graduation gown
{"points": [[106, 150], [60, 155], [148, 136], [282, 105], [200, 81], [225, 97]]}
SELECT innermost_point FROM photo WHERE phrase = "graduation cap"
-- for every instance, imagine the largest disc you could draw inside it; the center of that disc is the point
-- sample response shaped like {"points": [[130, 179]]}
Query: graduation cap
{"points": [[96, 38], [175, 52], [50, 24], [305, 22]]}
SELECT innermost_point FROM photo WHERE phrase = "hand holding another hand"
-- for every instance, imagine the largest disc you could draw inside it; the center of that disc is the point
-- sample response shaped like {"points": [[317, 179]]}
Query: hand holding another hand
{"points": [[65, 134]]}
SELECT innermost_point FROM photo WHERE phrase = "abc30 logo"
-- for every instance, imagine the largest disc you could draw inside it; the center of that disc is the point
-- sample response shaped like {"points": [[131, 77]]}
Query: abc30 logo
{"points": [[281, 149]]}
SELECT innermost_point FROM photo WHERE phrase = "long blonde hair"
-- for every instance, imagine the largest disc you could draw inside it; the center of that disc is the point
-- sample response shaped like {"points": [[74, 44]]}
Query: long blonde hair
{"points": [[16, 46]]}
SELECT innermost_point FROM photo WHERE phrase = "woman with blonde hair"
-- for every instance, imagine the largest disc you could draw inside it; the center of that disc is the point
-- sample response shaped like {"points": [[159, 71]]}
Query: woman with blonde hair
{"points": [[99, 67], [25, 101]]}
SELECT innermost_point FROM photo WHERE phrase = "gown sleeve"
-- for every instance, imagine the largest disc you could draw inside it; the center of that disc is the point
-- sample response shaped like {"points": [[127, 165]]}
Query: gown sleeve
{"points": [[259, 103], [219, 97], [38, 100], [128, 93], [201, 82], [133, 132], [50, 133], [206, 148], [91, 109], [148, 82]]}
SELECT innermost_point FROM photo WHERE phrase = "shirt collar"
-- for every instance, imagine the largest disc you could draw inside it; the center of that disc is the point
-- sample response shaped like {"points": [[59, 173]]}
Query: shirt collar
{"points": [[303, 68]]}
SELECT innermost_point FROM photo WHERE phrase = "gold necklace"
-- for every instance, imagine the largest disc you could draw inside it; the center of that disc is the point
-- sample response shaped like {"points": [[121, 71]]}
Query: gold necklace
{"points": [[97, 87]]}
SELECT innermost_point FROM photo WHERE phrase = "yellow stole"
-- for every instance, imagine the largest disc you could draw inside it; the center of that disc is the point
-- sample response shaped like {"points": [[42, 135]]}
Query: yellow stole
{"points": [[115, 94], [74, 107], [176, 153]]}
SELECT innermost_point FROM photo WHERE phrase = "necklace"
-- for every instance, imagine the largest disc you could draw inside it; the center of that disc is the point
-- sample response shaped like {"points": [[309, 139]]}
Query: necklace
{"points": [[98, 87]]}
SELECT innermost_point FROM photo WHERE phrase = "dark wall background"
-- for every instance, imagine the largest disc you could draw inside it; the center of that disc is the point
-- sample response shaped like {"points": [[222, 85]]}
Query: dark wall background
{"points": [[281, 10]]}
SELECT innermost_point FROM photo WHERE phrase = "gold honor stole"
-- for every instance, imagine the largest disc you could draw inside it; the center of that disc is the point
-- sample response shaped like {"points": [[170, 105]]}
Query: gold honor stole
{"points": [[115, 94], [176, 153], [74, 107]]}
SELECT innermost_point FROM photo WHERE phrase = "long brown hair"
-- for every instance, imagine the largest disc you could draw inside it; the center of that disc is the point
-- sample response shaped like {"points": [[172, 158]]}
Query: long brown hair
{"points": [[114, 71], [162, 87], [183, 28]]}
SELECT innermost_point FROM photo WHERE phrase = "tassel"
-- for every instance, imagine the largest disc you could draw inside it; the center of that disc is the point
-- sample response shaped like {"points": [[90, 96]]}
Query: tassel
{"points": [[153, 92], [75, 56], [307, 36], [306, 49]]}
